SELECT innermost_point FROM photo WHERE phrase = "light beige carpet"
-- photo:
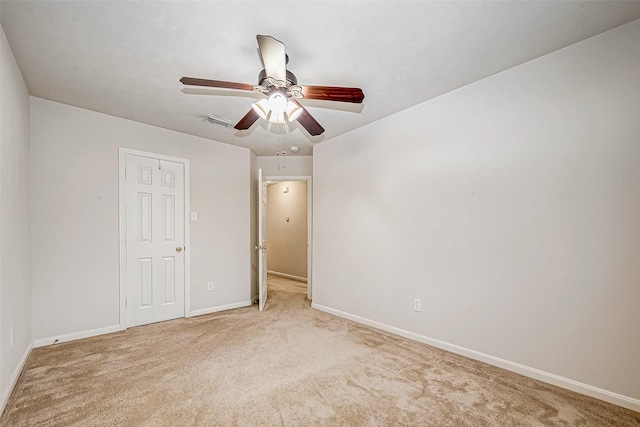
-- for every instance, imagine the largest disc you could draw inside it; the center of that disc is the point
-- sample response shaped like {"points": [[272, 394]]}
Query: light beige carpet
{"points": [[290, 365]]}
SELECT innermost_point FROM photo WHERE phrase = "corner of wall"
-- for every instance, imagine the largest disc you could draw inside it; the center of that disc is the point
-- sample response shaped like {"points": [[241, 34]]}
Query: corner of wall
{"points": [[15, 207]]}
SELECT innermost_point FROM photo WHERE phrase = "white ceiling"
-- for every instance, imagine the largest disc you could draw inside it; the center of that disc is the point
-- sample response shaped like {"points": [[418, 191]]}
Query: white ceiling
{"points": [[125, 58]]}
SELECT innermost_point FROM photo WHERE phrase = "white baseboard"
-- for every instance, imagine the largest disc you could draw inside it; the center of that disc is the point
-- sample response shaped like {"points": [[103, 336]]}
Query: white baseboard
{"points": [[14, 377], [76, 336], [586, 389], [219, 308], [288, 276]]}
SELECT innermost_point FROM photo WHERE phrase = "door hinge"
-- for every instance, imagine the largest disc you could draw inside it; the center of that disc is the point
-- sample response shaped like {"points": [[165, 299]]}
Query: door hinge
{"points": [[126, 302]]}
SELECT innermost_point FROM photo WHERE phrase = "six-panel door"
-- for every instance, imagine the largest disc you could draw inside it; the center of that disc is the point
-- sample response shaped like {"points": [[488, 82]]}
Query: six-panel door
{"points": [[154, 240]]}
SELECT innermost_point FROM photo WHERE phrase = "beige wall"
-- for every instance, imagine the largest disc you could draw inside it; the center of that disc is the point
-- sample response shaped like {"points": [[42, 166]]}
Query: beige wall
{"points": [[75, 262], [511, 207], [285, 165], [287, 240], [15, 290]]}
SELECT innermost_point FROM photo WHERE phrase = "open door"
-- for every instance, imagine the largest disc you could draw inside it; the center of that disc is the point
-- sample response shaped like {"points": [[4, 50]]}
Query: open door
{"points": [[262, 240]]}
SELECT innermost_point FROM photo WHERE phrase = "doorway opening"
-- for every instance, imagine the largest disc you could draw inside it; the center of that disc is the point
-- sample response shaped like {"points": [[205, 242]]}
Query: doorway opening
{"points": [[289, 228]]}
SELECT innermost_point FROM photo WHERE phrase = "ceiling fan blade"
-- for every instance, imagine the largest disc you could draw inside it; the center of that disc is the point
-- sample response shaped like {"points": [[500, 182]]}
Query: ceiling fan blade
{"points": [[273, 57], [215, 83], [333, 93], [248, 119], [308, 122]]}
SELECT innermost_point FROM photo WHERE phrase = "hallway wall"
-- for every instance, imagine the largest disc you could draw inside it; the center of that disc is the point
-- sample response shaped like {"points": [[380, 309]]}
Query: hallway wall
{"points": [[287, 240]]}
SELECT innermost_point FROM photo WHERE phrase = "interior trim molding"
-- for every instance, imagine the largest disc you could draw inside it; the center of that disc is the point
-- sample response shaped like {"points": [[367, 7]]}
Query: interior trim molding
{"points": [[288, 276], [218, 308], [75, 336], [537, 374], [14, 377]]}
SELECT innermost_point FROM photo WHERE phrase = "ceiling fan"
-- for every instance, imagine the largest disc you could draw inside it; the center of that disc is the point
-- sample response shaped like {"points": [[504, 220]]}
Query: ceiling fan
{"points": [[282, 91]]}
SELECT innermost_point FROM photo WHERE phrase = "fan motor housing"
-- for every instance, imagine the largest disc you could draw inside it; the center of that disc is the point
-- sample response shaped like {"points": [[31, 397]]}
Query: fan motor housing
{"points": [[292, 80]]}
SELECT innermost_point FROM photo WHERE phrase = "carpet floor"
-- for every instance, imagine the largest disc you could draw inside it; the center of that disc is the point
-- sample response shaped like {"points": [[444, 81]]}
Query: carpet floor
{"points": [[287, 366]]}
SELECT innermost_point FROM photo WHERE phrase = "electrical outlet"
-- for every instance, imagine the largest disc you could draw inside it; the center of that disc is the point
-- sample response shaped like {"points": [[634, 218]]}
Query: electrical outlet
{"points": [[210, 286], [417, 304]]}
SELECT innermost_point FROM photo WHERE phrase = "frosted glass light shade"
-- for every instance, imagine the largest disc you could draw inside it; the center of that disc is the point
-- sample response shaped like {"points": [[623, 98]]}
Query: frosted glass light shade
{"points": [[278, 103], [293, 111], [276, 117], [262, 108]]}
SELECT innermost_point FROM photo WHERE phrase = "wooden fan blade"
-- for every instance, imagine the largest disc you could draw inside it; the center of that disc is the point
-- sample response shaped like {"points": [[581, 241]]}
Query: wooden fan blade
{"points": [[333, 93], [248, 119], [307, 121], [274, 57], [215, 83]]}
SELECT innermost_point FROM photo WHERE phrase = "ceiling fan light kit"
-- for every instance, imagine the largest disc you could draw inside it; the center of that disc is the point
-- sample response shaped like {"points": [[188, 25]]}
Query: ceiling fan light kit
{"points": [[281, 88], [277, 109]]}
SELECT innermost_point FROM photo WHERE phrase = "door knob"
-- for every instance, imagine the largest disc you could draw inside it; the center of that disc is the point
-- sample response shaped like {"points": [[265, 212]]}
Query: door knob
{"points": [[179, 249]]}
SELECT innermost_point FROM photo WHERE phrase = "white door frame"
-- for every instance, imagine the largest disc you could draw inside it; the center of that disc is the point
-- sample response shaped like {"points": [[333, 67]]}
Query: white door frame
{"points": [[122, 205], [262, 250], [308, 179]]}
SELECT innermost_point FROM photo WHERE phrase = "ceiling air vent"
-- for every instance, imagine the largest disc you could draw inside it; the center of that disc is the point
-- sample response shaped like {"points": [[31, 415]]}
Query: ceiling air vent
{"points": [[217, 120]]}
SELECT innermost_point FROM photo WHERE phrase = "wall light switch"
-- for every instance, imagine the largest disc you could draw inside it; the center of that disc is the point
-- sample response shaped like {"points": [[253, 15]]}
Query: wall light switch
{"points": [[194, 216]]}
